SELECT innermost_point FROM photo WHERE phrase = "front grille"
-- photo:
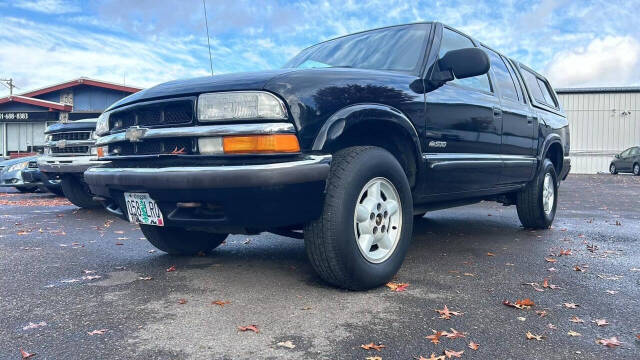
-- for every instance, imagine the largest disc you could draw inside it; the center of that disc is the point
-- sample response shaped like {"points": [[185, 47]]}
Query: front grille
{"points": [[155, 114], [70, 150], [77, 135], [175, 146]]}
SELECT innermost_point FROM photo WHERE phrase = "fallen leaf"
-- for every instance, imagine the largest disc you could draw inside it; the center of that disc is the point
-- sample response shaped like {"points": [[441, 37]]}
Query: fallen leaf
{"points": [[397, 287], [433, 357], [171, 268], [551, 260], [454, 334], [26, 355], [446, 313], [579, 268], [373, 358], [519, 304], [573, 333], [182, 301], [612, 292], [541, 313], [97, 332], [551, 326], [253, 328], [435, 338], [576, 319], [531, 336], [491, 254], [601, 322], [220, 303], [611, 342], [473, 346], [34, 325], [287, 344], [88, 271], [145, 278], [552, 269], [564, 252], [521, 318], [451, 353], [570, 305], [372, 346]]}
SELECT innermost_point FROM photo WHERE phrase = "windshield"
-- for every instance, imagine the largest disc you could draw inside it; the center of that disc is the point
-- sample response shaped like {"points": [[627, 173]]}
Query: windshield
{"points": [[398, 48]]}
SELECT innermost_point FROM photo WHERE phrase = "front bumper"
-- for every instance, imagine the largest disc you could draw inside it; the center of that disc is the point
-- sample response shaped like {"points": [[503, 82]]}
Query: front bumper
{"points": [[32, 176], [68, 164], [14, 179], [260, 196]]}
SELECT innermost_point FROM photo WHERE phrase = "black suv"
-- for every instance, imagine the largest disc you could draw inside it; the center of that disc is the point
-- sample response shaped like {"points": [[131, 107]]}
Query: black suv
{"points": [[343, 146]]}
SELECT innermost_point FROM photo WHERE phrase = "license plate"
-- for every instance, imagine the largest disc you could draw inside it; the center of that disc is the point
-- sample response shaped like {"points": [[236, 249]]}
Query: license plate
{"points": [[143, 209]]}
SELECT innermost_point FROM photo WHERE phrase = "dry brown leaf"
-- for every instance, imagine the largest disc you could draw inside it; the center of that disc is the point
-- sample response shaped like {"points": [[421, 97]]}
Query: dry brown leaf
{"points": [[435, 338], [541, 313], [520, 304], [287, 344], [221, 303], [576, 319], [451, 353], [491, 254], [570, 305], [372, 346], [253, 328], [26, 355], [566, 252], [601, 322], [171, 268], [433, 357], [551, 260], [397, 287], [182, 301], [454, 334], [446, 313], [97, 332], [573, 333], [373, 358], [474, 346], [610, 342], [531, 336]]}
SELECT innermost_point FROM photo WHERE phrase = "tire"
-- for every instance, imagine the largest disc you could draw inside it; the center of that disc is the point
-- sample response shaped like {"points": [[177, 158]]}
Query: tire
{"points": [[57, 189], [78, 193], [418, 216], [613, 170], [331, 240], [636, 169], [179, 241], [530, 201]]}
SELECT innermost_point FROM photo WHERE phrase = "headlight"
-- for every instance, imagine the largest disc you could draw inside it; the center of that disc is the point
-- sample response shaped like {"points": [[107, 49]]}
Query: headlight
{"points": [[18, 166], [102, 126], [240, 105], [47, 138]]}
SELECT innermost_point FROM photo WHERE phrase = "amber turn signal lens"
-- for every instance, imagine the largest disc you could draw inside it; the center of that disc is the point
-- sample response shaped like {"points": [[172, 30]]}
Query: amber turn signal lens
{"points": [[277, 143], [100, 151]]}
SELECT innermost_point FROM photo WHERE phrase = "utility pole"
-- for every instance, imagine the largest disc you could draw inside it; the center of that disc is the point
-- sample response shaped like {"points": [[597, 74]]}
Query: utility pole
{"points": [[8, 83]]}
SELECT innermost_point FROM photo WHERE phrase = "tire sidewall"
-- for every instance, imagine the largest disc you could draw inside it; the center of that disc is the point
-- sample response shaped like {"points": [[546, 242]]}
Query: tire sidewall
{"points": [[613, 169], [635, 166], [371, 164], [547, 167]]}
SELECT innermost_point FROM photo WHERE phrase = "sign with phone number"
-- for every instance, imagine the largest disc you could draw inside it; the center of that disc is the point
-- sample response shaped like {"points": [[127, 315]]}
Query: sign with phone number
{"points": [[14, 116]]}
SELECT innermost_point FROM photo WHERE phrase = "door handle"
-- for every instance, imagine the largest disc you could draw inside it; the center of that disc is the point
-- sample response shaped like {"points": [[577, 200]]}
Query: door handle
{"points": [[497, 112], [530, 120]]}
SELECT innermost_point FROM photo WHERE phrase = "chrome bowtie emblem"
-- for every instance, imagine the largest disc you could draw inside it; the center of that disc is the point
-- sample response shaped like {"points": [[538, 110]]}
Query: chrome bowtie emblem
{"points": [[135, 133], [61, 144]]}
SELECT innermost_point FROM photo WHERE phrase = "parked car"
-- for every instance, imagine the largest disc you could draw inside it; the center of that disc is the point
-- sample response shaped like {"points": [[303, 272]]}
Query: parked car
{"points": [[342, 147], [32, 175], [70, 150], [11, 174], [627, 161]]}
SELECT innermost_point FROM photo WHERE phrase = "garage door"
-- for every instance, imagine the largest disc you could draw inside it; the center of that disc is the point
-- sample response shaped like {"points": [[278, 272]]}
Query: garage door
{"points": [[24, 137]]}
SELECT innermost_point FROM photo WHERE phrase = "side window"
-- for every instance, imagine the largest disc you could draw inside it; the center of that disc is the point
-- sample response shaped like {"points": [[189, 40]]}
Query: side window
{"points": [[546, 92], [503, 79], [532, 84], [626, 153], [452, 40], [635, 151]]}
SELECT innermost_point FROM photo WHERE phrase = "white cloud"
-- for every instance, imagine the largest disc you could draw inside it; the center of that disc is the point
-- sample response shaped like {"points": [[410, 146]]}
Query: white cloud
{"points": [[608, 61], [48, 6]]}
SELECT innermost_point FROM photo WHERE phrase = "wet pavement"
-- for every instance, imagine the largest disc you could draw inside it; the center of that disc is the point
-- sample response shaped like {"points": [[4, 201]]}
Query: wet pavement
{"points": [[470, 259]]}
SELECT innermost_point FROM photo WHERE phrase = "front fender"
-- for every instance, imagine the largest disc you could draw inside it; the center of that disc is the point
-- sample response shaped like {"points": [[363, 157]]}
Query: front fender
{"points": [[353, 115]]}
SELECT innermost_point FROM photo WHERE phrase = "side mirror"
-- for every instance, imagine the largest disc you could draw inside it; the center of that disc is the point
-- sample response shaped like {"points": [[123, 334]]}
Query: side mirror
{"points": [[617, 156], [465, 63]]}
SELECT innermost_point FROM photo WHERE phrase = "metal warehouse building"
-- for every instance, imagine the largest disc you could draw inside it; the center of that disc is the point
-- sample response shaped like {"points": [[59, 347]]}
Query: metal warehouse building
{"points": [[24, 117], [603, 122]]}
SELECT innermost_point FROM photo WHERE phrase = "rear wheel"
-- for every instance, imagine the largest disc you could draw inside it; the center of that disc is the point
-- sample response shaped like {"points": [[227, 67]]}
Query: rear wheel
{"points": [[537, 202], [636, 169], [78, 193], [613, 170], [179, 241], [362, 236]]}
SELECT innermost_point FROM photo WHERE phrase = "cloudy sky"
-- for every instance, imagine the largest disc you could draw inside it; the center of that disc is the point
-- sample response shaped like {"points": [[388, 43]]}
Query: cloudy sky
{"points": [[145, 42]]}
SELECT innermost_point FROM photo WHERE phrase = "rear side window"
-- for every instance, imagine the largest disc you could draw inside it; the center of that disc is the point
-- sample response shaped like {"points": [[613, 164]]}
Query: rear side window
{"points": [[503, 79], [635, 151], [452, 40], [539, 88]]}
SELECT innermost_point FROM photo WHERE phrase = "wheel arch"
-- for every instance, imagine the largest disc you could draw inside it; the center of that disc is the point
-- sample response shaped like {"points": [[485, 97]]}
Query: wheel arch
{"points": [[373, 124], [552, 149]]}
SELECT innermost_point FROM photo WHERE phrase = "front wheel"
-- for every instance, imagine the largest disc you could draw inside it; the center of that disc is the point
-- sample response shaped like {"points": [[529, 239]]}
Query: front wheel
{"points": [[179, 241], [636, 169], [78, 193], [537, 202], [613, 170], [362, 236]]}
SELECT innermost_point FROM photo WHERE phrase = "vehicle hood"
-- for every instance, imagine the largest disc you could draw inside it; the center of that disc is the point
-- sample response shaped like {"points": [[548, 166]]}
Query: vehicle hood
{"points": [[78, 125], [224, 82]]}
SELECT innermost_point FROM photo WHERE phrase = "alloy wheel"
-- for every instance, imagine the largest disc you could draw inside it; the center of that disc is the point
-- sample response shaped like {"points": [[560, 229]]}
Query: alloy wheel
{"points": [[548, 194]]}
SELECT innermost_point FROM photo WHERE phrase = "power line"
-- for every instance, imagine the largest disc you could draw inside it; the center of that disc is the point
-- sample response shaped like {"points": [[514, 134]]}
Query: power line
{"points": [[206, 22], [9, 84]]}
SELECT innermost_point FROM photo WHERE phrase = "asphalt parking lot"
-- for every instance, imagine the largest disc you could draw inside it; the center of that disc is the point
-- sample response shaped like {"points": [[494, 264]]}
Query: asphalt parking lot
{"points": [[67, 272]]}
